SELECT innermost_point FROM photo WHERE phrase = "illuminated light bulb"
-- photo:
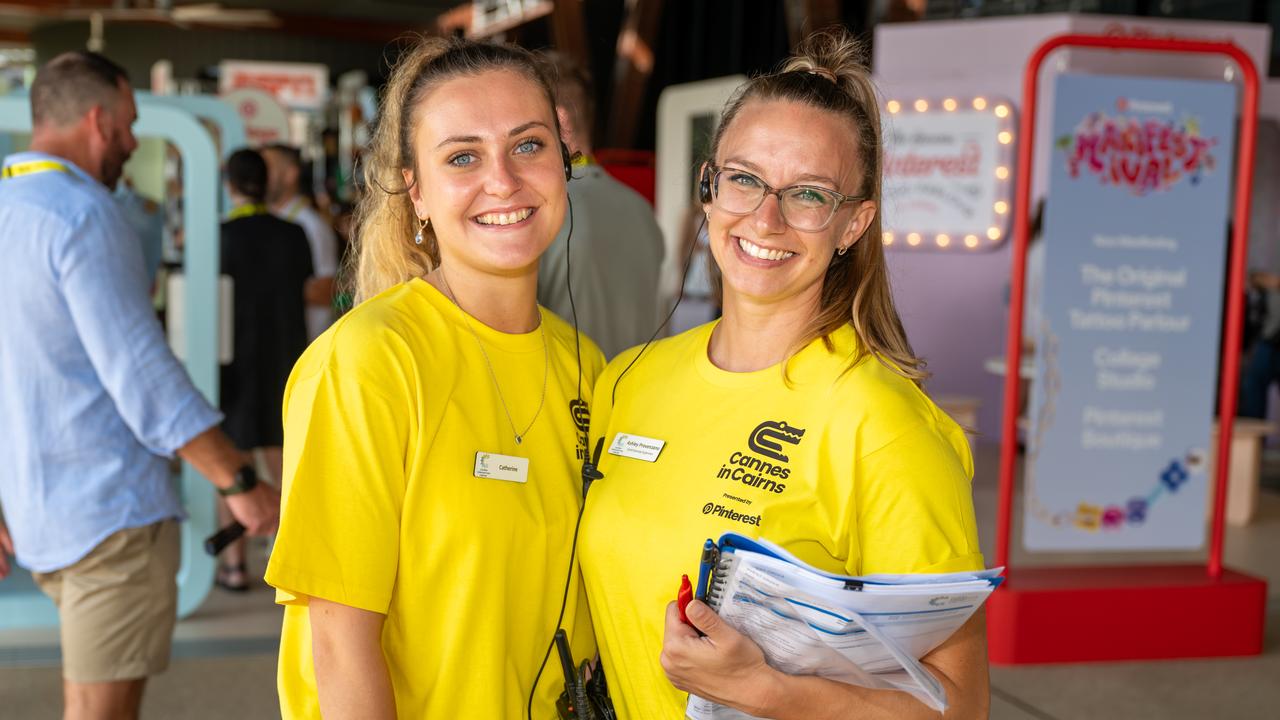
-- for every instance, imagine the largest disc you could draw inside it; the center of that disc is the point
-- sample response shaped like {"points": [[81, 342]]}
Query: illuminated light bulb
{"points": [[1002, 207], [1002, 111], [993, 233], [971, 241], [913, 239], [893, 106], [943, 240], [979, 103], [1002, 172], [949, 104], [1005, 137], [888, 238], [922, 105]]}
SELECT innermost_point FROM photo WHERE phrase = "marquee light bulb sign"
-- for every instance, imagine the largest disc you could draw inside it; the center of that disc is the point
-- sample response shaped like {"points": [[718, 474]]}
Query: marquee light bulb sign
{"points": [[948, 180]]}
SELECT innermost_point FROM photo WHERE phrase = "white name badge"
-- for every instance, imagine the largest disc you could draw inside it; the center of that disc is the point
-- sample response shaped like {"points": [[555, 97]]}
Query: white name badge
{"points": [[636, 447], [502, 467]]}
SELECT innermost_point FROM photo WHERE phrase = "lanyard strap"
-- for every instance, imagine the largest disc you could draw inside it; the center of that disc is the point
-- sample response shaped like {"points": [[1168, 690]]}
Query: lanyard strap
{"points": [[295, 209], [33, 167], [245, 211]]}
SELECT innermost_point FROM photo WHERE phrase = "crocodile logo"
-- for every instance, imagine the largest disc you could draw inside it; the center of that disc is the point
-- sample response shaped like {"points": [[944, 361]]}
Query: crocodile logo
{"points": [[768, 437], [581, 415]]}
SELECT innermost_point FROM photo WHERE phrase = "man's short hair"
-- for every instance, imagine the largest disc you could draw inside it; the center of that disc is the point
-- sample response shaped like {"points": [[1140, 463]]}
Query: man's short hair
{"points": [[247, 174], [69, 85], [573, 80]]}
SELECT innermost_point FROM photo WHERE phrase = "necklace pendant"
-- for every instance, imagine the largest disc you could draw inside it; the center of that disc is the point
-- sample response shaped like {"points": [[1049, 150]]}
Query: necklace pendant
{"points": [[518, 439]]}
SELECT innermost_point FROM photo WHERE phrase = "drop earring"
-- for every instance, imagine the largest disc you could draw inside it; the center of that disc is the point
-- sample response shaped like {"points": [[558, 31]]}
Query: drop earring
{"points": [[422, 226]]}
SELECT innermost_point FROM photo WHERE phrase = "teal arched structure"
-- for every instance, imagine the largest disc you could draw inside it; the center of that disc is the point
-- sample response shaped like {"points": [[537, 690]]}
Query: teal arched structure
{"points": [[177, 120]]}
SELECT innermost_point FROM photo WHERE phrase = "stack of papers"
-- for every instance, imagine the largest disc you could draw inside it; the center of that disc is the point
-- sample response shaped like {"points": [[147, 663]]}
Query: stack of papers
{"points": [[868, 630]]}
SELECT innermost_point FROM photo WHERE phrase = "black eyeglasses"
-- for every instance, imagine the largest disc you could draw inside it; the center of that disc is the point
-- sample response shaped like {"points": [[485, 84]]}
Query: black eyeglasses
{"points": [[807, 208]]}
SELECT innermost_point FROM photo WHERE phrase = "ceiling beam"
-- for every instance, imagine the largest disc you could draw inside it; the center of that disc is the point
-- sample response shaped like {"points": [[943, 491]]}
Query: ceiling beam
{"points": [[632, 70]]}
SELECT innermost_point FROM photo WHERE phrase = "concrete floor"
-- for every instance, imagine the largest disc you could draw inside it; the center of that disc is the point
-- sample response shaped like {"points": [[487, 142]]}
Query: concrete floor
{"points": [[224, 654]]}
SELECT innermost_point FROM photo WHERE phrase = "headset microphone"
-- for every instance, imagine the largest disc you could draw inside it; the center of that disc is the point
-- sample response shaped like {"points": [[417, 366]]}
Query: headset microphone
{"points": [[704, 185], [591, 470]]}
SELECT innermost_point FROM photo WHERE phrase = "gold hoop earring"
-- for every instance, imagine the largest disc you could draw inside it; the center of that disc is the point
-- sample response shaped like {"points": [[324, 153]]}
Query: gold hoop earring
{"points": [[422, 226], [842, 250]]}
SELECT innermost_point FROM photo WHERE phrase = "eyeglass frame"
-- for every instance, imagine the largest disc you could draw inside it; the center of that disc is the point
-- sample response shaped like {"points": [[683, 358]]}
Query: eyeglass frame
{"points": [[713, 176]]}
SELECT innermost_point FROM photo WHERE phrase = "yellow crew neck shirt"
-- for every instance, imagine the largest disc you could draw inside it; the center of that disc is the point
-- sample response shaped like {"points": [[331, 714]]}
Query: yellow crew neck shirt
{"points": [[854, 472], [381, 510]]}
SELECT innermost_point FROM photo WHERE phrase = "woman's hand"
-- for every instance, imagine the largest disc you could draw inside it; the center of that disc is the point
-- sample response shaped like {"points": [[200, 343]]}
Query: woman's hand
{"points": [[723, 665]]}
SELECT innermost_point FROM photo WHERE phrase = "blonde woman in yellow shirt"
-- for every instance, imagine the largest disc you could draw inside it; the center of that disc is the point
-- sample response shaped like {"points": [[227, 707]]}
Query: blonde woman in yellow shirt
{"points": [[797, 417], [432, 434]]}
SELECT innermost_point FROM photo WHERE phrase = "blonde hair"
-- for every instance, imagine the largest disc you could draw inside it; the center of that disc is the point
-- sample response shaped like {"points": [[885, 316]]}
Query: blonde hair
{"points": [[385, 253], [827, 72]]}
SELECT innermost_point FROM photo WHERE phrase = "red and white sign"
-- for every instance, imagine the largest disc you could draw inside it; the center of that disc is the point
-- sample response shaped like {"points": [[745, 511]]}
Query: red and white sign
{"points": [[300, 86], [265, 120]]}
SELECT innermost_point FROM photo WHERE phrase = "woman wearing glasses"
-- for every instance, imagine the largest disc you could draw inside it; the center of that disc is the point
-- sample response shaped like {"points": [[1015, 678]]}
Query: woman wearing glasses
{"points": [[798, 417]]}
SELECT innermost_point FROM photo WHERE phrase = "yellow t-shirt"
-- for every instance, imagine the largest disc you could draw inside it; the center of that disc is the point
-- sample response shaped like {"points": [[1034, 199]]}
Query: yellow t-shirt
{"points": [[855, 473], [384, 415]]}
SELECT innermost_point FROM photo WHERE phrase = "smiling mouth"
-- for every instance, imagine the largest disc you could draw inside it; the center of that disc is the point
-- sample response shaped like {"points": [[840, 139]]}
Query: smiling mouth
{"points": [[504, 218], [760, 253]]}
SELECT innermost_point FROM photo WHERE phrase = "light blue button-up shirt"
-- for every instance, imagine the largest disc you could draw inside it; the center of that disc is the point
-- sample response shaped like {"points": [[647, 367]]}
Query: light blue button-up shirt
{"points": [[92, 401]]}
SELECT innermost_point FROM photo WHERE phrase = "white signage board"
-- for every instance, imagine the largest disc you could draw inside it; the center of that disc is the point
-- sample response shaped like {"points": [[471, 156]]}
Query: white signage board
{"points": [[265, 121], [947, 173], [299, 86]]}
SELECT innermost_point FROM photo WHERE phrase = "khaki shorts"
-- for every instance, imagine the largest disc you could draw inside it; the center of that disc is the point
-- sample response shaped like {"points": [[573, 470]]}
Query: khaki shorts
{"points": [[117, 605]]}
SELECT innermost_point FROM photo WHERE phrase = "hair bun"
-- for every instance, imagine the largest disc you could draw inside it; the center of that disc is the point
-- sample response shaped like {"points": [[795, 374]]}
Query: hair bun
{"points": [[823, 72]]}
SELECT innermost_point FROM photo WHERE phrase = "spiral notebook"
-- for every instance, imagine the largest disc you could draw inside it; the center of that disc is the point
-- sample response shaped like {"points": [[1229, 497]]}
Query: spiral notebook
{"points": [[864, 630]]}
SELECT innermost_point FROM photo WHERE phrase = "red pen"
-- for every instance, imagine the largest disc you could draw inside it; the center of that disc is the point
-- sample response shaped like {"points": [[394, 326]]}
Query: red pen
{"points": [[683, 597]]}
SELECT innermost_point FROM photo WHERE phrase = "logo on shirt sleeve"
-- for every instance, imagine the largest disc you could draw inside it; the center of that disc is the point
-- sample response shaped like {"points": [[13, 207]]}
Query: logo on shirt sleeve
{"points": [[768, 437]]}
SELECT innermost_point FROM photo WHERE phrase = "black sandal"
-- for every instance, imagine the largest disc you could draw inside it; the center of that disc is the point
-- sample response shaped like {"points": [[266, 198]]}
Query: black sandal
{"points": [[226, 575]]}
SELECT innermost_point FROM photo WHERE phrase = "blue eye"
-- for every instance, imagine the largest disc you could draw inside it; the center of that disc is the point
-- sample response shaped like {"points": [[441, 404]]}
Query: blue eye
{"points": [[745, 180], [529, 146], [812, 197], [462, 159]]}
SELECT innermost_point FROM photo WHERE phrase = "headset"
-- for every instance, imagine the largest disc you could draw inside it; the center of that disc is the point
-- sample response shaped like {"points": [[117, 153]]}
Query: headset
{"points": [[590, 471], [568, 175]]}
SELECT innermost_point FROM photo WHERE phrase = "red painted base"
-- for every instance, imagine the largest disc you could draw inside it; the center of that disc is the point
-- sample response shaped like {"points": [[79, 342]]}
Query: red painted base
{"points": [[1090, 614]]}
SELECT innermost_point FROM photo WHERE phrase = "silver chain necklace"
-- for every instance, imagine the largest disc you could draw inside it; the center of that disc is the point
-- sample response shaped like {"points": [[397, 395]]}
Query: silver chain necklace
{"points": [[546, 363]]}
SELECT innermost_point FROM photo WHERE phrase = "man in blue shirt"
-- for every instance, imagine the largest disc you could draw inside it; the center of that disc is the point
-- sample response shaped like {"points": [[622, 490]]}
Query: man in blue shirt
{"points": [[92, 399]]}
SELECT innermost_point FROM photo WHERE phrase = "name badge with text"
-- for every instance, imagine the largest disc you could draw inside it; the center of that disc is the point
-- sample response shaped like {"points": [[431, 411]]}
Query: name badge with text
{"points": [[502, 467], [636, 447]]}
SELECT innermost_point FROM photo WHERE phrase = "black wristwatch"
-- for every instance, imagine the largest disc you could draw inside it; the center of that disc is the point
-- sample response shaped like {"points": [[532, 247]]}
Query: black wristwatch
{"points": [[244, 481]]}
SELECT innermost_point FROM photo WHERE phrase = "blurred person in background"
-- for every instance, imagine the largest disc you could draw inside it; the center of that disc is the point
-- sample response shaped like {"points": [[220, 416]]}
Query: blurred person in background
{"points": [[617, 245], [93, 400], [269, 262], [285, 199]]}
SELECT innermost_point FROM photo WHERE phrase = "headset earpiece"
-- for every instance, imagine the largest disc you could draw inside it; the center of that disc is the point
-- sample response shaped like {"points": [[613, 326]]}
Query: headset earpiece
{"points": [[568, 161], [704, 185]]}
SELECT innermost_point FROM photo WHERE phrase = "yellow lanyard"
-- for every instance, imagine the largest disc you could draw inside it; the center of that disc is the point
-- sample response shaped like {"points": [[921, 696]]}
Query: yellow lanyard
{"points": [[245, 211], [33, 167]]}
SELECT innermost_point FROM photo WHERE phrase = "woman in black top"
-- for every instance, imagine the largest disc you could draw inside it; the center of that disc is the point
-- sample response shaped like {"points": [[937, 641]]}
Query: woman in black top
{"points": [[269, 262]]}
